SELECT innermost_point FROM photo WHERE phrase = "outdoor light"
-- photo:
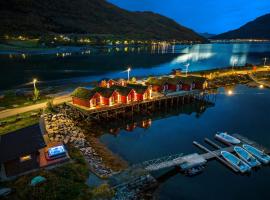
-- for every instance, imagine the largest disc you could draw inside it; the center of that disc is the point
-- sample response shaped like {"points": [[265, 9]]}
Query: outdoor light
{"points": [[34, 82], [261, 86], [128, 70], [230, 92]]}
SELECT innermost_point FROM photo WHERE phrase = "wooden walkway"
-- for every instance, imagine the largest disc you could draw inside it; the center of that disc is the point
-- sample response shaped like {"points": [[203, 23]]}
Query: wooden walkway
{"points": [[168, 101]]}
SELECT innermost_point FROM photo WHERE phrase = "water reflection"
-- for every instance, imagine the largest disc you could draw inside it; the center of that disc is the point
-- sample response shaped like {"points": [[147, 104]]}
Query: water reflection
{"points": [[89, 64], [144, 120]]}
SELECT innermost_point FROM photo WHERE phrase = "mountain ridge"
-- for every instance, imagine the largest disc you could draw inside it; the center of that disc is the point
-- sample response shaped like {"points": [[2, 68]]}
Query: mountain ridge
{"points": [[36, 17], [258, 28]]}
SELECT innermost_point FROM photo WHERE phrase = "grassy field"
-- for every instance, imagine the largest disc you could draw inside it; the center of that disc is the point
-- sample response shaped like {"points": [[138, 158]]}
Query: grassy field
{"points": [[11, 100], [67, 182], [17, 122], [22, 45]]}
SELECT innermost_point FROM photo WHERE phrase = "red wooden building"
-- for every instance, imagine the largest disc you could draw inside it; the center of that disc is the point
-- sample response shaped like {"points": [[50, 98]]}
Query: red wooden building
{"points": [[96, 97], [126, 94], [142, 92]]}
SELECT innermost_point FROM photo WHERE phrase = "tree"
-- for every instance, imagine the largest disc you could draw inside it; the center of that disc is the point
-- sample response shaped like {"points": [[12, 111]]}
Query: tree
{"points": [[36, 94]]}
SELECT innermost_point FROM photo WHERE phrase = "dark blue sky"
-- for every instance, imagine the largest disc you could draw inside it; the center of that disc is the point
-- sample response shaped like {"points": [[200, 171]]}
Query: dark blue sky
{"points": [[213, 16]]}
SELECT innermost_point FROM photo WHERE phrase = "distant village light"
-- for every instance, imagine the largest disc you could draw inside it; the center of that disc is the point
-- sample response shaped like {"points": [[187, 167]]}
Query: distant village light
{"points": [[261, 86]]}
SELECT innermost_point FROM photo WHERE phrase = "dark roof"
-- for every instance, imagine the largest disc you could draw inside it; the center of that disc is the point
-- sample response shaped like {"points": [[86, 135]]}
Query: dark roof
{"points": [[124, 91], [157, 81], [105, 92], [175, 80], [19, 143], [140, 89], [83, 93]]}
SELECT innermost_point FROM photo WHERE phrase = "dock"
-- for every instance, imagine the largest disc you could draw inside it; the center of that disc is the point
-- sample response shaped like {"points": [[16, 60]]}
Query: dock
{"points": [[182, 162], [156, 103]]}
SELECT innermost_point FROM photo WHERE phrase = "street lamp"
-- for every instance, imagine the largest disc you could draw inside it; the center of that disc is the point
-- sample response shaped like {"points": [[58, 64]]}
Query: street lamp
{"points": [[234, 62], [265, 59], [34, 82], [187, 65], [128, 71]]}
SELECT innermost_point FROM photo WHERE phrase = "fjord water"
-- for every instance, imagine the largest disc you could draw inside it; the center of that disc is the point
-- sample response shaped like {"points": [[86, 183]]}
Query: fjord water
{"points": [[50, 68], [246, 112]]}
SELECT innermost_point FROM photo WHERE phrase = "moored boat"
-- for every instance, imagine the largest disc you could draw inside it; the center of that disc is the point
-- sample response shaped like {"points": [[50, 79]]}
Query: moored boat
{"points": [[236, 162], [224, 137], [247, 157], [261, 156]]}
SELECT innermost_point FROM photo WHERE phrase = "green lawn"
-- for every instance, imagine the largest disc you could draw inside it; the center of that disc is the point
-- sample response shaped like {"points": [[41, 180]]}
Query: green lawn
{"points": [[63, 183], [14, 123], [11, 100], [22, 45]]}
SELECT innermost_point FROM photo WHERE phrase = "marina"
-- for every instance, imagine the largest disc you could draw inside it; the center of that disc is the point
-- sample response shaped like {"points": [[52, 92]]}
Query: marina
{"points": [[189, 165]]}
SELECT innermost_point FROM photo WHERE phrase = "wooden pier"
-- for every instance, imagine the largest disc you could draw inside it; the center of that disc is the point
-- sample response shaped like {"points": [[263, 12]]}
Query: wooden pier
{"points": [[161, 102], [184, 162]]}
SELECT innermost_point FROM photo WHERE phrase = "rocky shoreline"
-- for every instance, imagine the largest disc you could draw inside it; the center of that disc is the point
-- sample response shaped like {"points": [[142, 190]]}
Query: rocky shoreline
{"points": [[60, 128]]}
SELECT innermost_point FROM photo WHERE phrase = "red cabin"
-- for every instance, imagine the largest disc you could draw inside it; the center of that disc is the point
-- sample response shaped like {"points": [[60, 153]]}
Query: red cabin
{"points": [[126, 94], [142, 92]]}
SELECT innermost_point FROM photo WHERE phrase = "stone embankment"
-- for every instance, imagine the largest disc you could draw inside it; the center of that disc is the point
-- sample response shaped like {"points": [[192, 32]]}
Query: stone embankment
{"points": [[62, 129]]}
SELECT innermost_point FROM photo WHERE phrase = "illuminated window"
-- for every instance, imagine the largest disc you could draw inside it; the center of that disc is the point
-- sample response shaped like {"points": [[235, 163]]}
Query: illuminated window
{"points": [[25, 158]]}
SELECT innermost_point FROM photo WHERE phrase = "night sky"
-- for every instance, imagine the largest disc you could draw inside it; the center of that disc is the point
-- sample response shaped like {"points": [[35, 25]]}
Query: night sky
{"points": [[212, 16]]}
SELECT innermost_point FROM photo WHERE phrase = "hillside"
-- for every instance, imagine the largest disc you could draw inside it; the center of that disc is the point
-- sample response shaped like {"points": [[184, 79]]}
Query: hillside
{"points": [[257, 29], [37, 17]]}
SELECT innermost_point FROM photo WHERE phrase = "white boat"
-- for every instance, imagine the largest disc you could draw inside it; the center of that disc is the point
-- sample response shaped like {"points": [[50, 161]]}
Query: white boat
{"points": [[247, 157], [261, 156], [224, 137], [236, 162]]}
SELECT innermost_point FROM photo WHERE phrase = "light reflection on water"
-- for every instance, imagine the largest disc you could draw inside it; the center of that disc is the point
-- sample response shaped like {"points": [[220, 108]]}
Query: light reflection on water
{"points": [[245, 113], [110, 62]]}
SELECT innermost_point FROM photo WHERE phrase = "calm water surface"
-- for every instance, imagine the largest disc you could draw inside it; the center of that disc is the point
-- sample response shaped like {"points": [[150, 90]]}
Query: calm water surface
{"points": [[19, 70], [246, 112]]}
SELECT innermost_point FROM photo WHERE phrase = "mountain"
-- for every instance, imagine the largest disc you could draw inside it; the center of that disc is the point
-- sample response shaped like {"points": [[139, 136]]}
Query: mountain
{"points": [[207, 35], [36, 17], [257, 29]]}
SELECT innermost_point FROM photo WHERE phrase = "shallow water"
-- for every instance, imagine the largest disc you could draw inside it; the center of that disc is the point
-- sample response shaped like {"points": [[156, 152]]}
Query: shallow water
{"points": [[246, 112], [19, 70]]}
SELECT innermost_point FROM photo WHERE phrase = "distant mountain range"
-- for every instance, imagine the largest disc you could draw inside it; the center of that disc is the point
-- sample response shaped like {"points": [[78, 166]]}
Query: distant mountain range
{"points": [[257, 29], [207, 35], [37, 17]]}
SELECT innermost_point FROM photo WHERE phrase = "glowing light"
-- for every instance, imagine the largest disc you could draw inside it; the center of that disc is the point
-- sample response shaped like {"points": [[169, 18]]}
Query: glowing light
{"points": [[25, 158], [261, 86], [56, 151], [230, 92]]}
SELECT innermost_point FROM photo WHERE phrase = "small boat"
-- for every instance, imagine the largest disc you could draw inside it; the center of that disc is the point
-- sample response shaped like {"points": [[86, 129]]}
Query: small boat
{"points": [[236, 162], [261, 156], [247, 157], [224, 137]]}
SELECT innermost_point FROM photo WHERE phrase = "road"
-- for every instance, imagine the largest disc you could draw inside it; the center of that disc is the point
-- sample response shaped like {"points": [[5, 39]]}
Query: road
{"points": [[15, 111], [264, 83]]}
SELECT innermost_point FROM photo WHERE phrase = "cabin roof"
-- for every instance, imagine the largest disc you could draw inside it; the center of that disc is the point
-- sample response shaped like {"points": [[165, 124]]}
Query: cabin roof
{"points": [[140, 89], [105, 92], [19, 143], [124, 91], [175, 80], [83, 93]]}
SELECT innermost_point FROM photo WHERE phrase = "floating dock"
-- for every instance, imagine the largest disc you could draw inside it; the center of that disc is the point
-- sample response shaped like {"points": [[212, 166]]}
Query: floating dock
{"points": [[186, 163]]}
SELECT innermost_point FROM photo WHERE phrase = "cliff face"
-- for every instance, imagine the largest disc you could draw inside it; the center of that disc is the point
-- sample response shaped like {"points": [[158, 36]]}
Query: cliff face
{"points": [[257, 29], [87, 16]]}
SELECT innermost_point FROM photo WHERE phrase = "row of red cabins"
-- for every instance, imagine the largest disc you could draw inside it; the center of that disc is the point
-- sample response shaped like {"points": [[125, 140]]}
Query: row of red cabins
{"points": [[177, 83], [111, 94]]}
